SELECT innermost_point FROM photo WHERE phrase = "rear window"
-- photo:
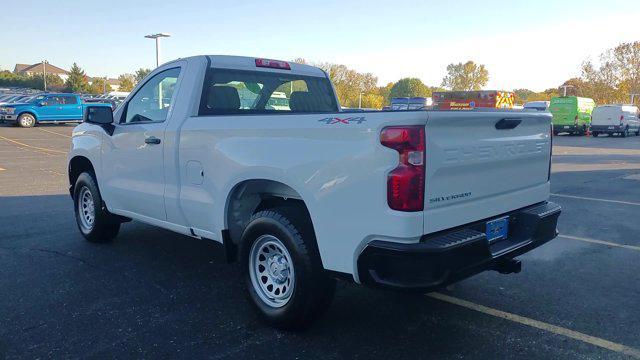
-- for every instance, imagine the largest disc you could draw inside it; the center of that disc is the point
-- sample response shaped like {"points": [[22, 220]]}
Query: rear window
{"points": [[257, 92]]}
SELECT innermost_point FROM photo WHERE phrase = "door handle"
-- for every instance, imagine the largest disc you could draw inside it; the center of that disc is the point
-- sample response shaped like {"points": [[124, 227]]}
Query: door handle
{"points": [[152, 140], [508, 123]]}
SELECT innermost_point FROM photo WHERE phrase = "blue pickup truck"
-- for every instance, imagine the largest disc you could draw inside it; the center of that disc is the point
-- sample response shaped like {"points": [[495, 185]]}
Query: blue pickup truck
{"points": [[45, 108]]}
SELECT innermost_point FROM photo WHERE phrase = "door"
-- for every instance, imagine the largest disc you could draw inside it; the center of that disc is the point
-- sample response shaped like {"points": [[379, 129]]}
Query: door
{"points": [[133, 161], [70, 108], [50, 108]]}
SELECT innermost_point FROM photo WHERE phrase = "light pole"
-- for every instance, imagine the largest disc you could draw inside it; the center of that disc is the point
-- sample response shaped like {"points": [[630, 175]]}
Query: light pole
{"points": [[157, 38], [44, 74], [565, 87]]}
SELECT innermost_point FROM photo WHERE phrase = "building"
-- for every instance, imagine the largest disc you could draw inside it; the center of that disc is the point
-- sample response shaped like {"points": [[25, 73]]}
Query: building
{"points": [[38, 69]]}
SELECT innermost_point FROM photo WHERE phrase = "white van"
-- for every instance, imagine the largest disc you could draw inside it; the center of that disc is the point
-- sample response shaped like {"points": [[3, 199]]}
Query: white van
{"points": [[615, 119]]}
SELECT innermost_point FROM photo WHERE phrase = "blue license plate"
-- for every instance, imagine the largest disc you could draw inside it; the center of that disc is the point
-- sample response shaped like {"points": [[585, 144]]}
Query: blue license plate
{"points": [[497, 229]]}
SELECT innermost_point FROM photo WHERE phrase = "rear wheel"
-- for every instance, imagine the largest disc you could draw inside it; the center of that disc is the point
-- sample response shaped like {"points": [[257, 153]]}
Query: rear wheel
{"points": [[93, 219], [26, 120], [282, 269], [595, 134]]}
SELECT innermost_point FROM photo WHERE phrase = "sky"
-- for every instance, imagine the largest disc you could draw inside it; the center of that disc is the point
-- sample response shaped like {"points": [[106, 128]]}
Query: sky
{"points": [[524, 44]]}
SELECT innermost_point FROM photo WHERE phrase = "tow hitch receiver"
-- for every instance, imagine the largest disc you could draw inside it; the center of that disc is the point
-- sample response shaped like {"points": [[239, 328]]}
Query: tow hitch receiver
{"points": [[511, 266]]}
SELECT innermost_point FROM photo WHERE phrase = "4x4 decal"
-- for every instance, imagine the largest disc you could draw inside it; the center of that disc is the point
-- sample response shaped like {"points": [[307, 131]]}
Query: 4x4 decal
{"points": [[347, 120]]}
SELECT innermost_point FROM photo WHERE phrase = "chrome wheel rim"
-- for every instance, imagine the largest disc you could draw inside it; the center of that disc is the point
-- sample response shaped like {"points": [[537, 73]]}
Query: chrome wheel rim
{"points": [[271, 271], [86, 209], [27, 120]]}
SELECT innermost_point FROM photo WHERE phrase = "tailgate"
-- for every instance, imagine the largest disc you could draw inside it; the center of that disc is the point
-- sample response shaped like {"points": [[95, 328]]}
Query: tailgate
{"points": [[482, 164]]}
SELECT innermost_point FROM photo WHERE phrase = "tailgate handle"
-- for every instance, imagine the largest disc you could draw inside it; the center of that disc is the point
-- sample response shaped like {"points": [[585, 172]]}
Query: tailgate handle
{"points": [[508, 123]]}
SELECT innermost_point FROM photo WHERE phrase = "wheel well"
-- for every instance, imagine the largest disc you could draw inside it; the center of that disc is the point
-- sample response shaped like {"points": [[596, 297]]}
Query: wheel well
{"points": [[77, 166], [252, 196], [28, 112]]}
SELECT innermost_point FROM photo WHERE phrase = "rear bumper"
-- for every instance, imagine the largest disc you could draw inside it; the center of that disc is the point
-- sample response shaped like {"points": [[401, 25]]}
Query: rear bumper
{"points": [[607, 128], [452, 255]]}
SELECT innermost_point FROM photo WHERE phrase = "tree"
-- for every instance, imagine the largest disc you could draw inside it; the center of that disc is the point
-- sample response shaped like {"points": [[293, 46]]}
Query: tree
{"points": [[350, 85], [409, 87], [77, 80], [465, 77], [615, 76], [141, 73], [385, 92], [127, 82], [373, 101], [522, 95], [99, 86], [544, 95]]}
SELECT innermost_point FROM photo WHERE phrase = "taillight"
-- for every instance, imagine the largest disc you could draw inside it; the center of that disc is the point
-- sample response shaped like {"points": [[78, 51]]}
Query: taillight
{"points": [[405, 183]]}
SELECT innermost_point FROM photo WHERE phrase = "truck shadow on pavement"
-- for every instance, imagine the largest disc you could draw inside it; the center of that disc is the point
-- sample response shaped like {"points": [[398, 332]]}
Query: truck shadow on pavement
{"points": [[154, 293]]}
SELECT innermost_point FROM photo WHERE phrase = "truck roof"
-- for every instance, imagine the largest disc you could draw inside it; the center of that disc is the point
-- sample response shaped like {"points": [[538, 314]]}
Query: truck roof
{"points": [[249, 63]]}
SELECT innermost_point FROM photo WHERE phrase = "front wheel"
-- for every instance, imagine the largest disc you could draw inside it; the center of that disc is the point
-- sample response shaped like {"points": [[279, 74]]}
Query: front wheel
{"points": [[595, 134], [625, 133], [283, 272], [93, 219], [26, 120]]}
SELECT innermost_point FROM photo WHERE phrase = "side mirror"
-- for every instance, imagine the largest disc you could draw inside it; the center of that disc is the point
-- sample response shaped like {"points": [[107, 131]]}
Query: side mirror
{"points": [[100, 115]]}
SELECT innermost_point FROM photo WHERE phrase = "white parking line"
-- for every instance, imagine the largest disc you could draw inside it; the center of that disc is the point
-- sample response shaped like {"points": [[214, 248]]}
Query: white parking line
{"points": [[596, 199], [601, 242], [554, 329]]}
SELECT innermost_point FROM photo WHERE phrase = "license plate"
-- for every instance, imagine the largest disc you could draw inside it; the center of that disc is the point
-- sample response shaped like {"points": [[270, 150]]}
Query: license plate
{"points": [[566, 127], [497, 229]]}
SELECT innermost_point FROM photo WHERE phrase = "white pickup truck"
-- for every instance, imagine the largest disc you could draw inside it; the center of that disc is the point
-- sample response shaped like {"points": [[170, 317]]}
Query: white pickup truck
{"points": [[302, 193]]}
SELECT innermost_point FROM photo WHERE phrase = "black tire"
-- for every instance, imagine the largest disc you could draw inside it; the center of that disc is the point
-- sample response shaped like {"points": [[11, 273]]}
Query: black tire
{"points": [[312, 290], [625, 133], [26, 120], [105, 226], [595, 134]]}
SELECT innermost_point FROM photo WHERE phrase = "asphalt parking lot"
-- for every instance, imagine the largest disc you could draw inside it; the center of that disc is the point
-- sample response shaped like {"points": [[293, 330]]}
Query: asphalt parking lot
{"points": [[152, 293]]}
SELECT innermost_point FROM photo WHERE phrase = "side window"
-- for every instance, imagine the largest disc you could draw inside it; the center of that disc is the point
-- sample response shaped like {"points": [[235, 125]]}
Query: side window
{"points": [[69, 100], [52, 100], [151, 102]]}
